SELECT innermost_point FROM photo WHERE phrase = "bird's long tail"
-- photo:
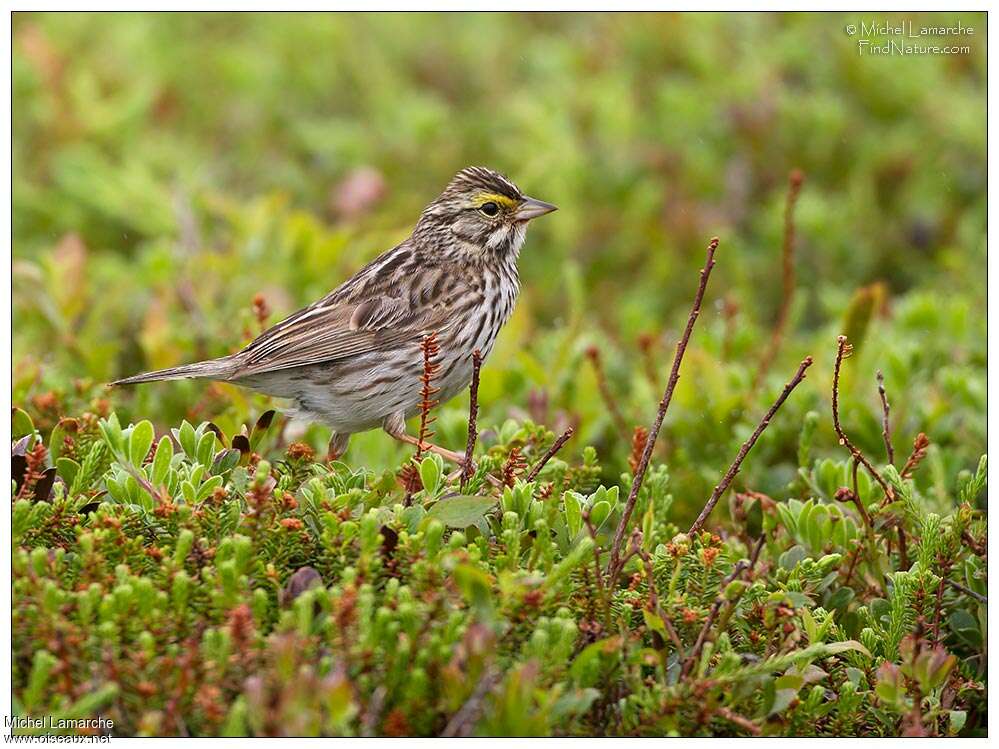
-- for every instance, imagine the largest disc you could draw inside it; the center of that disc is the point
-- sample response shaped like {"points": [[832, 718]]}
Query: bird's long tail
{"points": [[213, 369]]}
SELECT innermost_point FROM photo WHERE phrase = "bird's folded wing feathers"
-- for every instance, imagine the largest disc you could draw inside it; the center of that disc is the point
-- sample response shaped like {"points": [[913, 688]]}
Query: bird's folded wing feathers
{"points": [[325, 333]]}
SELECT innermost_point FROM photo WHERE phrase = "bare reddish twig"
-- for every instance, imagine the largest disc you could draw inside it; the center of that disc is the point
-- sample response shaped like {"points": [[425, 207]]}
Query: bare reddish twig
{"points": [[473, 415], [967, 591], [463, 721], [978, 548], [843, 350], [853, 563], [885, 423], [430, 349], [593, 354], [614, 564], [789, 281], [938, 609], [748, 445], [556, 446], [903, 549], [740, 720], [843, 494]]}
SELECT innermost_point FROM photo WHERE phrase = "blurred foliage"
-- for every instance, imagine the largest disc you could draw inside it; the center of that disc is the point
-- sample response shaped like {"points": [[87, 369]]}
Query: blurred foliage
{"points": [[181, 181]]}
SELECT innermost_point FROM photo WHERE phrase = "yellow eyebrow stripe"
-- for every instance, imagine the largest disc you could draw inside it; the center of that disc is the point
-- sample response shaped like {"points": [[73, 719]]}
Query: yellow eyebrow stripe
{"points": [[487, 197]]}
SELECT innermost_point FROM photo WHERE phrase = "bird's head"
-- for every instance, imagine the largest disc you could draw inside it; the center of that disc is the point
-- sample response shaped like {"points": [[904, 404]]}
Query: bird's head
{"points": [[481, 212]]}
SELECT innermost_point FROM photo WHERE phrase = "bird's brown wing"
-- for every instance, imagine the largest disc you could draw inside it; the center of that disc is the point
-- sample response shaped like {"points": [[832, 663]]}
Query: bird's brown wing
{"points": [[327, 332]]}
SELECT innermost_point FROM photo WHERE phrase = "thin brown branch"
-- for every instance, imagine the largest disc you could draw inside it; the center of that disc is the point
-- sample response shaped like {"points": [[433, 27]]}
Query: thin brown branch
{"points": [[748, 445], [740, 720], [430, 349], [614, 564], [967, 591], [844, 494], [843, 350], [975, 546], [885, 423], [938, 609], [473, 415], [854, 469], [853, 563], [903, 549], [141, 480], [593, 354], [754, 557], [789, 280], [556, 446], [463, 722]]}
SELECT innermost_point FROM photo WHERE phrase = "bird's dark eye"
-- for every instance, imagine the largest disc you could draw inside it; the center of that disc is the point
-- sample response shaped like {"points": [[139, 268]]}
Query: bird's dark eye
{"points": [[490, 208]]}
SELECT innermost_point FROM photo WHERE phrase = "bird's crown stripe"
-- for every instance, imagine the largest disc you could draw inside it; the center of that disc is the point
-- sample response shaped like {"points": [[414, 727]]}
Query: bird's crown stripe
{"points": [[493, 197]]}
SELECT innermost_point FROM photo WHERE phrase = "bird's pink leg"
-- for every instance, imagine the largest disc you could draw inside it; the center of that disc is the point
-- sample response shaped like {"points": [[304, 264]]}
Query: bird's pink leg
{"points": [[337, 446], [395, 425]]}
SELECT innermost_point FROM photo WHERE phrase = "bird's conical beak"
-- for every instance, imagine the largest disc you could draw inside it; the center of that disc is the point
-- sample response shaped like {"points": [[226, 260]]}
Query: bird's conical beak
{"points": [[532, 208]]}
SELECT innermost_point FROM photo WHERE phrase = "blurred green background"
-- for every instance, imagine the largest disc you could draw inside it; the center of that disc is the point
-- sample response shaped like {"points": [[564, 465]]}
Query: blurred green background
{"points": [[169, 168]]}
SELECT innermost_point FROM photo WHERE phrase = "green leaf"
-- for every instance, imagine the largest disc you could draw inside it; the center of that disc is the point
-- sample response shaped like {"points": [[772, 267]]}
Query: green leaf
{"points": [[654, 622], [790, 558], [787, 517], [430, 474], [817, 528], [790, 681], [206, 449], [782, 698], [754, 518], [840, 599], [260, 428], [187, 438], [832, 648], [412, 516], [56, 441], [139, 442], [111, 431], [68, 469], [161, 460], [225, 461], [573, 513], [21, 424], [599, 513], [811, 628], [462, 511]]}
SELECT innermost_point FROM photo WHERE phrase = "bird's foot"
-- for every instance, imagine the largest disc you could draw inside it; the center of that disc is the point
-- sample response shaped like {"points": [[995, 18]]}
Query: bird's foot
{"points": [[337, 446]]}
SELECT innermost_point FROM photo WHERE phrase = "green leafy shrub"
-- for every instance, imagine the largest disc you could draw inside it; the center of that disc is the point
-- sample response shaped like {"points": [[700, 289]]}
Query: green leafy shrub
{"points": [[210, 591]]}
